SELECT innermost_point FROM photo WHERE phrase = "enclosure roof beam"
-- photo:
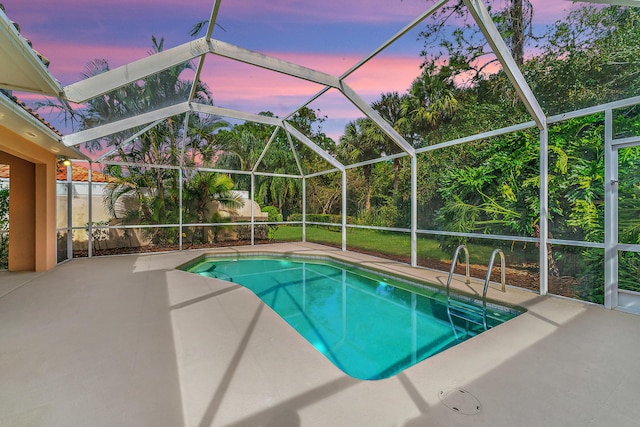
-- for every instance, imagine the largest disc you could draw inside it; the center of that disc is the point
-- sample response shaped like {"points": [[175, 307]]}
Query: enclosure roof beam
{"points": [[142, 119], [129, 140], [196, 79], [621, 103], [124, 124], [312, 145], [377, 160], [478, 136], [481, 15], [325, 172], [214, 17], [264, 151], [212, 23], [433, 8], [309, 101], [274, 64], [295, 154], [235, 114], [430, 11], [377, 119], [113, 79]]}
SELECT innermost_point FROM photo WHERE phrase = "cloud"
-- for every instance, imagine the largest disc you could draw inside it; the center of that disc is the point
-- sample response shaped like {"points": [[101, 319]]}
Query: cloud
{"points": [[389, 73], [71, 33], [242, 87], [234, 83], [252, 89], [69, 60]]}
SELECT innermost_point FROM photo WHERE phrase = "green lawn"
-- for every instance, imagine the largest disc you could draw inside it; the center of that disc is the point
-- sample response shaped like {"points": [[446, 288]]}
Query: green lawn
{"points": [[389, 243]]}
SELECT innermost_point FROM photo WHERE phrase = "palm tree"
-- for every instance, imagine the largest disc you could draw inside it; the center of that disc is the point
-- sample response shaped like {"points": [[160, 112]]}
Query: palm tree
{"points": [[244, 146], [431, 102], [362, 140], [200, 191], [154, 189], [202, 140], [160, 145], [390, 108]]}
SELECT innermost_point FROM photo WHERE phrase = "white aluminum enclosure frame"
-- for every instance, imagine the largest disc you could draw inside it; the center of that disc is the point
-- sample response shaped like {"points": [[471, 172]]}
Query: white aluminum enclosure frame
{"points": [[610, 244], [199, 49]]}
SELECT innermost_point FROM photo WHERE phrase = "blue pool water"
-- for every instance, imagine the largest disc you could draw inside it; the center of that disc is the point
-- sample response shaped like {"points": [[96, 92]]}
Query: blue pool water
{"points": [[369, 325]]}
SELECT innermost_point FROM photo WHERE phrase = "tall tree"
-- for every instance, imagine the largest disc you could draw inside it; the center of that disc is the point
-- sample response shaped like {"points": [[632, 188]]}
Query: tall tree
{"points": [[390, 108], [465, 46], [587, 59], [154, 189], [362, 141], [241, 146], [515, 24], [431, 102], [200, 191]]}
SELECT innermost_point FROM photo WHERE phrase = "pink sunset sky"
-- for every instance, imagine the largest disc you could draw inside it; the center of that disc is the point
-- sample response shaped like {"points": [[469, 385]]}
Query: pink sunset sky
{"points": [[329, 36]]}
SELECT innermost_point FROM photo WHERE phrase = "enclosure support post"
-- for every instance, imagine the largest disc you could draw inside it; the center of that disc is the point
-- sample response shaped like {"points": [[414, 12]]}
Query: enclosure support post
{"points": [[90, 213], [344, 210], [180, 209], [69, 213], [483, 19], [253, 220], [610, 214], [544, 211], [414, 210], [304, 209]]}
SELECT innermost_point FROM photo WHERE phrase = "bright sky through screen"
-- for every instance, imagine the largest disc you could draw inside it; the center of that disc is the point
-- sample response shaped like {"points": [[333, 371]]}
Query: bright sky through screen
{"points": [[329, 36]]}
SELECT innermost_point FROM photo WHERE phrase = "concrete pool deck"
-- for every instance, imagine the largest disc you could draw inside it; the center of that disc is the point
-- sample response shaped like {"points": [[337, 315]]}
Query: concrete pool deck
{"points": [[131, 341]]}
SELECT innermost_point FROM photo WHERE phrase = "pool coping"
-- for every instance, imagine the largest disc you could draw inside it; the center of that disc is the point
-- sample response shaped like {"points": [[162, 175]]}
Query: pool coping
{"points": [[410, 281]]}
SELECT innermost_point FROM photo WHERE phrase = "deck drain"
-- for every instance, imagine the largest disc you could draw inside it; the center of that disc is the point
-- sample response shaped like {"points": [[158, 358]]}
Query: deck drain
{"points": [[460, 401]]}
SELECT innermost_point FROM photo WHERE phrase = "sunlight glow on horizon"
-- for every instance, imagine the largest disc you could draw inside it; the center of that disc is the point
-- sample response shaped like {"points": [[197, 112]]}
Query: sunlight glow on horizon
{"points": [[51, 28]]}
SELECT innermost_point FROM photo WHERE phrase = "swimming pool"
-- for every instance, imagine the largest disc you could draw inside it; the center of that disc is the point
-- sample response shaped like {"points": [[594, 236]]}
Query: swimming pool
{"points": [[370, 325]]}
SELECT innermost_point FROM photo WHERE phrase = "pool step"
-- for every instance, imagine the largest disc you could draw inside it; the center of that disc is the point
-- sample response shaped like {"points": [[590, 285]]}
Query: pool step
{"points": [[469, 312]]}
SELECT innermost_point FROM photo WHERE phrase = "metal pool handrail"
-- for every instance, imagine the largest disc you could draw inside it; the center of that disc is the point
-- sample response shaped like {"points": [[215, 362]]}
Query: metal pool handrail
{"points": [[453, 266], [466, 311], [502, 274]]}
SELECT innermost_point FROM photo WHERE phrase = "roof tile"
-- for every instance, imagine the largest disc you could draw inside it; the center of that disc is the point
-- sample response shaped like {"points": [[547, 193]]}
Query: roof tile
{"points": [[78, 174]]}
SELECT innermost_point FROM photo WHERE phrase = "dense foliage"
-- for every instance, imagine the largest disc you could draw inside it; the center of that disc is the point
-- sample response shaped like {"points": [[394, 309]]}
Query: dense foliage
{"points": [[492, 185], [489, 186]]}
